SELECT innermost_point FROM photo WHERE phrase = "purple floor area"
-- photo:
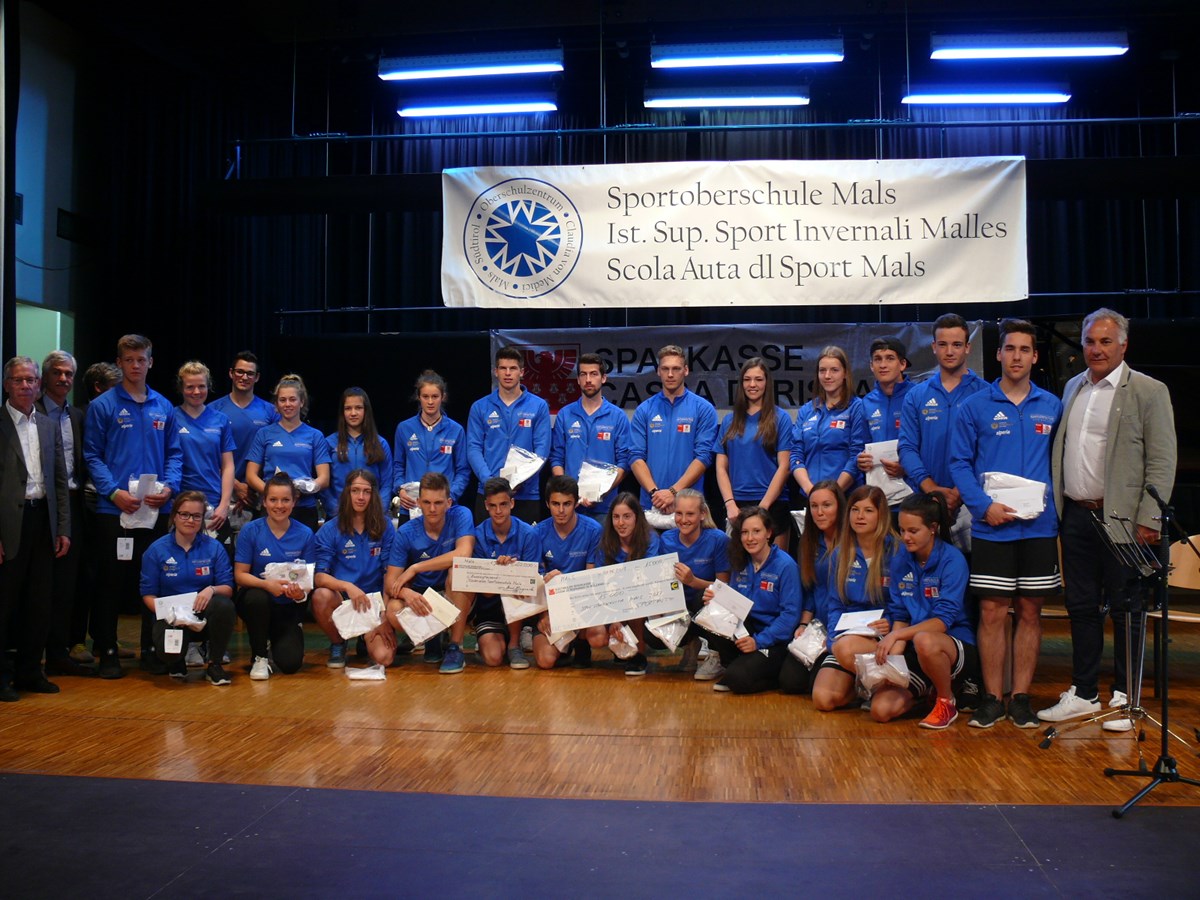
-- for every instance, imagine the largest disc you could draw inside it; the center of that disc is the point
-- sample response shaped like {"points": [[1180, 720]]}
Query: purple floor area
{"points": [[126, 839]]}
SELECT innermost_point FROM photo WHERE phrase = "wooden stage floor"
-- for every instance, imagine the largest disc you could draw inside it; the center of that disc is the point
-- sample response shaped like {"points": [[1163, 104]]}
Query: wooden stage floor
{"points": [[591, 734]]}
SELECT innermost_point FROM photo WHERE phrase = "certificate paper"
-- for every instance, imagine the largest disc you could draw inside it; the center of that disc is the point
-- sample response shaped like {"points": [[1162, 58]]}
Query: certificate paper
{"points": [[895, 489], [486, 576], [632, 590]]}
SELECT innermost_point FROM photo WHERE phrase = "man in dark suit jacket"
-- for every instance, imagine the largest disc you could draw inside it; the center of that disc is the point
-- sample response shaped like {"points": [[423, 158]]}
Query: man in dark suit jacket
{"points": [[70, 606], [35, 525]]}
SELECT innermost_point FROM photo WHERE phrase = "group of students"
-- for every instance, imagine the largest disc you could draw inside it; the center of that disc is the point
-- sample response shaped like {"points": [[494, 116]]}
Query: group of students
{"points": [[223, 463]]}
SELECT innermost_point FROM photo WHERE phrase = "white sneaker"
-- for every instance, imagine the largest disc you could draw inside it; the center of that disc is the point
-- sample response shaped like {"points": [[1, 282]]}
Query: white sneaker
{"points": [[261, 670], [1118, 723], [721, 688], [711, 669], [1069, 706], [703, 652], [527, 639], [195, 658]]}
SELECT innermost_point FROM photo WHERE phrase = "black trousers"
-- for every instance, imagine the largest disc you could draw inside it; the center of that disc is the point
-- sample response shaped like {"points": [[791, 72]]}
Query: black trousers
{"points": [[748, 673], [278, 623], [69, 605], [25, 585], [1095, 580], [219, 616], [118, 580]]}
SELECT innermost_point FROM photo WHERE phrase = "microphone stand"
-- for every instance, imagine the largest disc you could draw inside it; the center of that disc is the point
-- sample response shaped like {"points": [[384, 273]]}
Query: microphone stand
{"points": [[1164, 769]]}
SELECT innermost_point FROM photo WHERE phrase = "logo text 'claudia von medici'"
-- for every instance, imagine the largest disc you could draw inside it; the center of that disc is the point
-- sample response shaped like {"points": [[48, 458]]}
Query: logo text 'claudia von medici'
{"points": [[522, 237]]}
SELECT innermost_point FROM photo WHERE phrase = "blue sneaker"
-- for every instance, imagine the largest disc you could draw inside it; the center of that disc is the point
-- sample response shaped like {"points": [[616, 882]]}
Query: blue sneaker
{"points": [[452, 662], [433, 650], [337, 656]]}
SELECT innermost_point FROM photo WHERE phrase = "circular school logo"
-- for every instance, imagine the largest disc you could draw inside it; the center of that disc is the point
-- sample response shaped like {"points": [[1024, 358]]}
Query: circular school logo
{"points": [[522, 237]]}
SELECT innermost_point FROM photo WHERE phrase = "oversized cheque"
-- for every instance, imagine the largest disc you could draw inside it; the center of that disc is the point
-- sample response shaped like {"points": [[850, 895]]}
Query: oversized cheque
{"points": [[632, 590]]}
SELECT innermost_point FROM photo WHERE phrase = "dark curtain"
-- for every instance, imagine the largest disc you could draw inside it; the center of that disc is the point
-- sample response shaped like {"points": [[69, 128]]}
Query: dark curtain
{"points": [[10, 69]]}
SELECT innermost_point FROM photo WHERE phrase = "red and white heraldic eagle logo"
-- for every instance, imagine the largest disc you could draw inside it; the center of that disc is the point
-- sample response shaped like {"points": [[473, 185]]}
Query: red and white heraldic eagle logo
{"points": [[550, 373]]}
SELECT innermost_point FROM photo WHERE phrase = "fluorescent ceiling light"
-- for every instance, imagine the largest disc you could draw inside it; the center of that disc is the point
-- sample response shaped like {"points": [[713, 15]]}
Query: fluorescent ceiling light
{"points": [[713, 98], [1028, 46], [756, 53], [986, 95], [476, 108], [466, 65]]}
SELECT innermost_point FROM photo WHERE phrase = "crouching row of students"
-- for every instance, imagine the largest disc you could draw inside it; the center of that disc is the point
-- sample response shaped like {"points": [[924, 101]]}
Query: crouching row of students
{"points": [[850, 560]]}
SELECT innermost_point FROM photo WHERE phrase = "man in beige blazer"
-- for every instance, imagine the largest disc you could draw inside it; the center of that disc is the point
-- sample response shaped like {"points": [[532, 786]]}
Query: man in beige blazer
{"points": [[1117, 436]]}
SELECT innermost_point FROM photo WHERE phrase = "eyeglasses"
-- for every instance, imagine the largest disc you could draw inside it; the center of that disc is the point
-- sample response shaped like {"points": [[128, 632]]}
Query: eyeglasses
{"points": [[242, 373], [190, 517]]}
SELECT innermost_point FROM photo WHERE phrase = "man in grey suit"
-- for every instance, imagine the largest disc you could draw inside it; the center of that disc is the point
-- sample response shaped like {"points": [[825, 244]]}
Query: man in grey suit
{"points": [[35, 525], [1117, 436], [71, 604]]}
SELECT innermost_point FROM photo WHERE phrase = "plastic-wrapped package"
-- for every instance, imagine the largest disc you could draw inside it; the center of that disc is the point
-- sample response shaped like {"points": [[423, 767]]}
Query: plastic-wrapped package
{"points": [[660, 521], [519, 466], [809, 646], [717, 619], [596, 479], [351, 623], [297, 571], [873, 675], [670, 629], [625, 646]]}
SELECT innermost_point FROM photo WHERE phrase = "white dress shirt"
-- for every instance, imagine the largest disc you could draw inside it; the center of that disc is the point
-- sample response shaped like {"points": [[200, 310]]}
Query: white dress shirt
{"points": [[31, 447], [1086, 438]]}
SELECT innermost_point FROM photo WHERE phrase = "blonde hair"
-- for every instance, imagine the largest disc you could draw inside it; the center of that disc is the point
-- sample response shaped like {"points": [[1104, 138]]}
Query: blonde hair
{"points": [[193, 367], [296, 382], [706, 519], [848, 545]]}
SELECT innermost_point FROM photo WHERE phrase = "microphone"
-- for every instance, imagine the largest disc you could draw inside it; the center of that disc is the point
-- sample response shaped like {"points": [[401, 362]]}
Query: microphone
{"points": [[1153, 492]]}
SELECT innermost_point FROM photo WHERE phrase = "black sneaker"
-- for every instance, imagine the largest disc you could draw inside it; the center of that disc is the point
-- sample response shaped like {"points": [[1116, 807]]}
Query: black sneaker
{"points": [[217, 675], [110, 665], [151, 662], [178, 668], [1020, 713], [636, 664], [988, 713], [583, 654], [967, 697]]}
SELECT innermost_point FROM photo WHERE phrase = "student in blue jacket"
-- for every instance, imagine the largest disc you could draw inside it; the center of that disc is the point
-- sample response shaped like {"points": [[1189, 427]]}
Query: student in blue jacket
{"points": [[860, 583], [206, 439], [1009, 428], [429, 442], [356, 445], [768, 577], [272, 608], [186, 560], [823, 523], [510, 416], [754, 447], [830, 429], [352, 552], [703, 551], [626, 536], [929, 624], [293, 447]]}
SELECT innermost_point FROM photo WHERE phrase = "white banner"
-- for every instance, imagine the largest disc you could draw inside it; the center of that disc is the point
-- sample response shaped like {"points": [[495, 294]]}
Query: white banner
{"points": [[715, 355], [620, 593], [811, 232]]}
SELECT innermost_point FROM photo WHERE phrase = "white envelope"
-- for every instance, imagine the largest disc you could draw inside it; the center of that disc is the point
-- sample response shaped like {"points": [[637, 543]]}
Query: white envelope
{"points": [[169, 608], [895, 489], [518, 608], [858, 622], [422, 628], [737, 603]]}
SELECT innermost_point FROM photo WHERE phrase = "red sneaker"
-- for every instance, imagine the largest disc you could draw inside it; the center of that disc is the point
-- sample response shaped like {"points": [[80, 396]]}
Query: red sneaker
{"points": [[942, 715]]}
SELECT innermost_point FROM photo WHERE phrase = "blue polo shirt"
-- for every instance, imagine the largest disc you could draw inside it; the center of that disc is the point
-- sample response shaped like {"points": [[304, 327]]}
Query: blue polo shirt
{"points": [[203, 441], [124, 439], [706, 557], [654, 548], [520, 543], [354, 557], [442, 448], [493, 426], [168, 569], [296, 453], [601, 437], [669, 435], [246, 424], [569, 554], [257, 546], [412, 545], [934, 591], [827, 441], [356, 458], [775, 591], [751, 467]]}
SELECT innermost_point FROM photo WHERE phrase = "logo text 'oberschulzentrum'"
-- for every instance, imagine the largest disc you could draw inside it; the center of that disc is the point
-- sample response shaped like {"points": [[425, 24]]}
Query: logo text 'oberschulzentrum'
{"points": [[522, 237]]}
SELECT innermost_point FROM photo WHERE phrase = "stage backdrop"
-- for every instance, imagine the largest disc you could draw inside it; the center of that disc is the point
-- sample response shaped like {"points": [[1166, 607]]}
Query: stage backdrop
{"points": [[736, 233], [715, 355]]}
